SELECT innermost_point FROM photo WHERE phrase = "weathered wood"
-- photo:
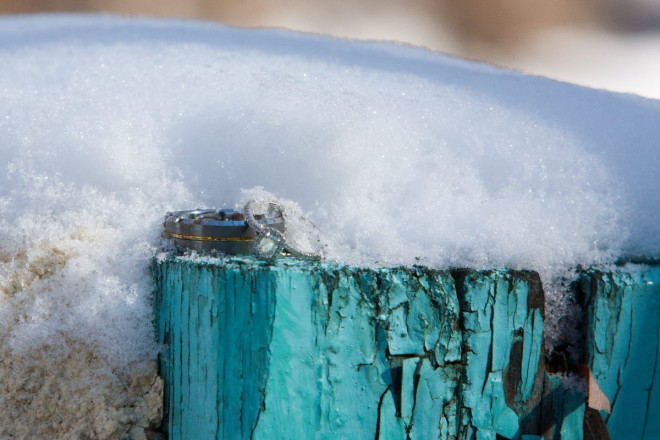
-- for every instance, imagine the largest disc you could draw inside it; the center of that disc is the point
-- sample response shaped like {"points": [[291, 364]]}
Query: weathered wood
{"points": [[622, 342], [217, 327], [299, 350], [502, 384], [305, 350]]}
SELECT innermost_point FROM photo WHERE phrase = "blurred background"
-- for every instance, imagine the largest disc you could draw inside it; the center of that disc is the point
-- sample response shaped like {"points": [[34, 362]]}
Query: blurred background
{"points": [[609, 44]]}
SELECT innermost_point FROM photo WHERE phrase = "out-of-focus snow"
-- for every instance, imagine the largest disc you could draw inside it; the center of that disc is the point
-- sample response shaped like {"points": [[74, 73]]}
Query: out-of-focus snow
{"points": [[621, 62], [399, 155]]}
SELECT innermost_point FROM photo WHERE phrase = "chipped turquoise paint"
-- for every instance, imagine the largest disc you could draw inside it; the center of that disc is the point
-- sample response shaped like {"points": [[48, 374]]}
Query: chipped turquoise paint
{"points": [[217, 352], [623, 342], [500, 328], [303, 350], [532, 352], [573, 419], [567, 408]]}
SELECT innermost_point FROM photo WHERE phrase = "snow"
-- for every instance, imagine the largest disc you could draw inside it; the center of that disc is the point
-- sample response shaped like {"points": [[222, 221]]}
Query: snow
{"points": [[398, 155]]}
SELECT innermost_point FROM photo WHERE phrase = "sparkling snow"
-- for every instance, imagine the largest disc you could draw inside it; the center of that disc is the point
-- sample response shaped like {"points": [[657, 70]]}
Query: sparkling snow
{"points": [[398, 155]]}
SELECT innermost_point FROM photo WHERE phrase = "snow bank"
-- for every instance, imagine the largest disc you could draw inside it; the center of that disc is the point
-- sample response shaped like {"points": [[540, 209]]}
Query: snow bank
{"points": [[399, 155]]}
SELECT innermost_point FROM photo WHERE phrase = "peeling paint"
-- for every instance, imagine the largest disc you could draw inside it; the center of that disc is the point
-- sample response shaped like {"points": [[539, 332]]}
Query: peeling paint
{"points": [[622, 339], [300, 350]]}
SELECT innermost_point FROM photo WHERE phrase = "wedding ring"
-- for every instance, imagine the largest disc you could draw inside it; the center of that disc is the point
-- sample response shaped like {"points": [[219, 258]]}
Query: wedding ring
{"points": [[222, 230]]}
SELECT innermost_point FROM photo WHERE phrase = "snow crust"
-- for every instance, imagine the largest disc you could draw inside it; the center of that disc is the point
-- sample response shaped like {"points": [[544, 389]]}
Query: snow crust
{"points": [[398, 155]]}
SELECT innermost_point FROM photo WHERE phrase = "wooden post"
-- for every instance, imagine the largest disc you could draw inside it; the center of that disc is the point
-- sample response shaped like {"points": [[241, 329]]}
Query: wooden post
{"points": [[622, 346], [298, 350]]}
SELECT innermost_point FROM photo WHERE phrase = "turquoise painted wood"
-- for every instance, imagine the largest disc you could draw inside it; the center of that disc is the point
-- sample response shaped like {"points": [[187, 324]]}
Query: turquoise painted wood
{"points": [[217, 327], [305, 350], [622, 344], [302, 350], [503, 354]]}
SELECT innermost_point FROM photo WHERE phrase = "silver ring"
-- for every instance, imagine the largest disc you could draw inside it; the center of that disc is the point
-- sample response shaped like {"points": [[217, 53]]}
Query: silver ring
{"points": [[220, 230]]}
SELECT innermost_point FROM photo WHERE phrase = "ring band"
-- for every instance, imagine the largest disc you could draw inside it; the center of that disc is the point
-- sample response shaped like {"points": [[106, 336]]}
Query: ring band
{"points": [[219, 230], [202, 238]]}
